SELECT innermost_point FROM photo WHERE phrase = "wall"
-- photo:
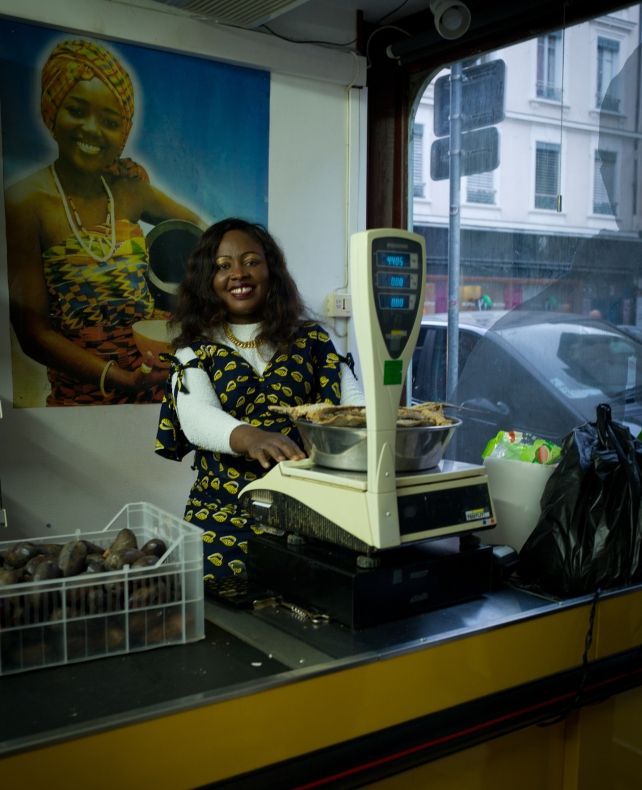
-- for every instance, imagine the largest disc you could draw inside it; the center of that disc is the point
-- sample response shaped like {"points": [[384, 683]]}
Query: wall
{"points": [[64, 469]]}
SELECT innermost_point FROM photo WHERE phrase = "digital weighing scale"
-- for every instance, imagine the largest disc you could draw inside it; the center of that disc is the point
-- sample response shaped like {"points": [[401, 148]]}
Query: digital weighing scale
{"points": [[361, 523]]}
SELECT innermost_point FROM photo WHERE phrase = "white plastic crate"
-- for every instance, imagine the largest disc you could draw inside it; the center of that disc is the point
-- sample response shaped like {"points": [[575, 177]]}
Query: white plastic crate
{"points": [[88, 616]]}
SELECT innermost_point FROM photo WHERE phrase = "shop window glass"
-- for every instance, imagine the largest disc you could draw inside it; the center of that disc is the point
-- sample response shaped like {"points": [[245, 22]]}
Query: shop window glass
{"points": [[556, 265]]}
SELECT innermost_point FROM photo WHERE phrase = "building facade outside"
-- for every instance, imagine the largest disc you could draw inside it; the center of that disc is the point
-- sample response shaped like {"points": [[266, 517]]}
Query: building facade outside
{"points": [[564, 206]]}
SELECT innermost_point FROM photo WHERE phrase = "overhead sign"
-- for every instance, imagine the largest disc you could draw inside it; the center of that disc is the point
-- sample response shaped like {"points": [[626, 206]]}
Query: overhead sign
{"points": [[482, 98], [479, 154]]}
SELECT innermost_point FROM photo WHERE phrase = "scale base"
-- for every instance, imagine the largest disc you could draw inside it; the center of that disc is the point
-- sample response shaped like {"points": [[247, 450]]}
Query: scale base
{"points": [[409, 579]]}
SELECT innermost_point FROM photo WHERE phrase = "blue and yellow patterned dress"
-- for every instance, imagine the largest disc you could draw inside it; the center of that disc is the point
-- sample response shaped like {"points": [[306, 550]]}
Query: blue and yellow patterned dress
{"points": [[309, 372]]}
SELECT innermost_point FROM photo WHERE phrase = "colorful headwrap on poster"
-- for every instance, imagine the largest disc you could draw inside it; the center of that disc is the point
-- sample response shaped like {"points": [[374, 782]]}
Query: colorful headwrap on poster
{"points": [[72, 61]]}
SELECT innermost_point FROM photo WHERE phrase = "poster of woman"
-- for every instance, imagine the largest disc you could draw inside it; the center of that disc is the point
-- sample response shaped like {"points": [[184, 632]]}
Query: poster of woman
{"points": [[105, 146]]}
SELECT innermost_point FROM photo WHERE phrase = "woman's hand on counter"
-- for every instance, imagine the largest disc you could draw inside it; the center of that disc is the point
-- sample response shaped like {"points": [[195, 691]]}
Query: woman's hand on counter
{"points": [[264, 446]]}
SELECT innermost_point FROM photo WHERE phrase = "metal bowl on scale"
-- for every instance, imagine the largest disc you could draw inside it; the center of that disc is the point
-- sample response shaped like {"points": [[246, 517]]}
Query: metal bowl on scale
{"points": [[417, 448]]}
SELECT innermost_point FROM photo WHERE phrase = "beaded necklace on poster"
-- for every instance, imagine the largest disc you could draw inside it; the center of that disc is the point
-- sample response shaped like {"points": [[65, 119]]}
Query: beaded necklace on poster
{"points": [[95, 240]]}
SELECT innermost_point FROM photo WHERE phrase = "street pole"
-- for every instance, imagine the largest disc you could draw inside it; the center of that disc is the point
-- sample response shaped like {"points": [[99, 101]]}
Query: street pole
{"points": [[454, 242]]}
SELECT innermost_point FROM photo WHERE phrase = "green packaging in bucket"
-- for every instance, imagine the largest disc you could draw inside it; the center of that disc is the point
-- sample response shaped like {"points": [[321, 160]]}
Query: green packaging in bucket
{"points": [[516, 488], [521, 446]]}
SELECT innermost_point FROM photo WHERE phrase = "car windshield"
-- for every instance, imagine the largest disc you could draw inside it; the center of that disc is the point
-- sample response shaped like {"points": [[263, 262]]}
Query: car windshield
{"points": [[587, 363]]}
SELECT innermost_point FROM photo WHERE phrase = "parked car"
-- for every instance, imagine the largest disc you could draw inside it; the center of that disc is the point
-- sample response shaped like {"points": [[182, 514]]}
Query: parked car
{"points": [[539, 372], [632, 331]]}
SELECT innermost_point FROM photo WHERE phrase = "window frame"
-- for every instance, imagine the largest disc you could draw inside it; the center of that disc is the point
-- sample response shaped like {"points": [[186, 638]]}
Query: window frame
{"points": [[613, 205], [490, 190], [552, 146], [601, 89], [543, 89]]}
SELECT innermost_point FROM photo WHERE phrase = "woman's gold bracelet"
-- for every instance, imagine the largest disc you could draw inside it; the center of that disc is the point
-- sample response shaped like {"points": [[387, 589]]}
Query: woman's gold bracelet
{"points": [[103, 377]]}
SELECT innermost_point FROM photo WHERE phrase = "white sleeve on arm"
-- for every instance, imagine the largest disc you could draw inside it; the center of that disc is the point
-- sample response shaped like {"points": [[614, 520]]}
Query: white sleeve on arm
{"points": [[202, 418], [351, 394]]}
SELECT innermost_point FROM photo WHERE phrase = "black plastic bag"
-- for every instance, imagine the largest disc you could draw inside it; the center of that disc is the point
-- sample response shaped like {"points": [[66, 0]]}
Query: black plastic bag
{"points": [[589, 533]]}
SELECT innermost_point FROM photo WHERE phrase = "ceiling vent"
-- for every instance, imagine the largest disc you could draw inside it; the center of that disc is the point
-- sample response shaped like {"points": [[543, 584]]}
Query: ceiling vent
{"points": [[244, 13]]}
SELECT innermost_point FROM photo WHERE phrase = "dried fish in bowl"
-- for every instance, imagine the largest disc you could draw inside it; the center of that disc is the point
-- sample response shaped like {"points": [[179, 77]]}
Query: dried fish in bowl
{"points": [[428, 413], [325, 414], [422, 414]]}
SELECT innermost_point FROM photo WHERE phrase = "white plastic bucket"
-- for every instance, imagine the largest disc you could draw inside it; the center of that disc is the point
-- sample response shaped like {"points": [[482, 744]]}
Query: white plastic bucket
{"points": [[516, 488]]}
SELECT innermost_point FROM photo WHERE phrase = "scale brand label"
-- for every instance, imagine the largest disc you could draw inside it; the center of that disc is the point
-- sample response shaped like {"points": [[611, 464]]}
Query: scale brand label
{"points": [[477, 514]]}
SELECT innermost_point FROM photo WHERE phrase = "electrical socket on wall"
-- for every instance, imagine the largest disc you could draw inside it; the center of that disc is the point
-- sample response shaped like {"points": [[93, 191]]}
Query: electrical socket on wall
{"points": [[338, 304]]}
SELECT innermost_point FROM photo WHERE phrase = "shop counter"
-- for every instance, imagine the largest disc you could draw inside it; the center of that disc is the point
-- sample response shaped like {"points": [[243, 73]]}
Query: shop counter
{"points": [[269, 699]]}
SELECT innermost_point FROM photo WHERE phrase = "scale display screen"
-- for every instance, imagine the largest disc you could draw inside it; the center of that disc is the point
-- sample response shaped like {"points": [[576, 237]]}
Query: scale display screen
{"points": [[394, 301], [396, 268], [393, 280], [394, 259]]}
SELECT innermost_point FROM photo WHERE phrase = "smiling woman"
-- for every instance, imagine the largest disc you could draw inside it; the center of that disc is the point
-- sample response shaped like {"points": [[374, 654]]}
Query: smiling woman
{"points": [[241, 278], [76, 252], [244, 345]]}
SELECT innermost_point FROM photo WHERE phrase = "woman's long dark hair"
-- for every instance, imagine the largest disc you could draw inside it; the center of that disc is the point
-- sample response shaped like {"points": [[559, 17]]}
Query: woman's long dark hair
{"points": [[199, 309]]}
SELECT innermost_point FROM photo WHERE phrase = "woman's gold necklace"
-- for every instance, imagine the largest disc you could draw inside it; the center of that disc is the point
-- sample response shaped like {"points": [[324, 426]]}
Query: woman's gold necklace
{"points": [[240, 343], [75, 223]]}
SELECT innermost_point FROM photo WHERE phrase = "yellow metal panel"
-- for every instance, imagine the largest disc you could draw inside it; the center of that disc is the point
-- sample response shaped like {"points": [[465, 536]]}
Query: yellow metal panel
{"points": [[619, 623], [572, 756], [529, 759], [611, 744], [241, 734], [594, 748]]}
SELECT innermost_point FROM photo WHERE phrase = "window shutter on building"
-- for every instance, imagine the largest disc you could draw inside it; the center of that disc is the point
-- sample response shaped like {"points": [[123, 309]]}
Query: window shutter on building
{"points": [[480, 188], [419, 185], [604, 182], [547, 162]]}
